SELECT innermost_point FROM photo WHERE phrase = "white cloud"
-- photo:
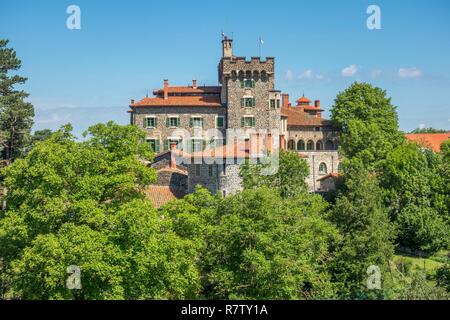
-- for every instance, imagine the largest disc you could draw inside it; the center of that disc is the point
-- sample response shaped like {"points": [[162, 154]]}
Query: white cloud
{"points": [[310, 75], [422, 126], [409, 72], [289, 75], [349, 71]]}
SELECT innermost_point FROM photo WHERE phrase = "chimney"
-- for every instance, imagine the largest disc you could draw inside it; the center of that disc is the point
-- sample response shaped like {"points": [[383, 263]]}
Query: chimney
{"points": [[282, 142], [317, 103], [285, 99], [131, 101], [166, 89], [194, 84], [173, 162]]}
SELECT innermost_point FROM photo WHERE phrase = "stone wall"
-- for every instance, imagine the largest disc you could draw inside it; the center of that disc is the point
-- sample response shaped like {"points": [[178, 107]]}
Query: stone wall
{"points": [[314, 159], [308, 133]]}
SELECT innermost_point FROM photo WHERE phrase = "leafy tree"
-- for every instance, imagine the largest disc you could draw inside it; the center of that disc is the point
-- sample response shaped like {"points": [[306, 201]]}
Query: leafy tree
{"points": [[41, 135], [418, 287], [263, 247], [368, 122], [80, 203], [414, 195], [288, 178], [428, 130], [367, 234], [443, 277], [16, 115]]}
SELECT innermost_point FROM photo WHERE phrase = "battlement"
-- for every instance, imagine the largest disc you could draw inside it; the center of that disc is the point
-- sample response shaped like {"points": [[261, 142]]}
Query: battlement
{"points": [[239, 65]]}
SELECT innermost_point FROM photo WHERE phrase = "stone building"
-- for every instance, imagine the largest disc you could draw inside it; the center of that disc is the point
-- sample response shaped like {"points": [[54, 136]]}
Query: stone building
{"points": [[202, 134]]}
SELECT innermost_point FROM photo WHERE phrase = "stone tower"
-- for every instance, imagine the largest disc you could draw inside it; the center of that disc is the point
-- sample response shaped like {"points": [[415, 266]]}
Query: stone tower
{"points": [[248, 91]]}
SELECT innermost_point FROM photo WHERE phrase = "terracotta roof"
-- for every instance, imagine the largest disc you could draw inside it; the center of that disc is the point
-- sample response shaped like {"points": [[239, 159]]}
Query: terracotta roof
{"points": [[297, 117], [182, 101], [303, 100], [180, 89], [429, 140], [313, 108], [160, 195]]}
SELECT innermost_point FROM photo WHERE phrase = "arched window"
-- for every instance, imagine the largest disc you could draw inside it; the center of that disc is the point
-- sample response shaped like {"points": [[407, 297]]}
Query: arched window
{"points": [[310, 145], [323, 168], [301, 145], [319, 145], [291, 145], [329, 145]]}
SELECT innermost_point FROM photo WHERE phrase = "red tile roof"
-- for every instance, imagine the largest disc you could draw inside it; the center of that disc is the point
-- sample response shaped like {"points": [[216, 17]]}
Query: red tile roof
{"points": [[429, 140], [333, 175], [297, 117], [180, 89], [303, 100], [160, 195], [181, 101]]}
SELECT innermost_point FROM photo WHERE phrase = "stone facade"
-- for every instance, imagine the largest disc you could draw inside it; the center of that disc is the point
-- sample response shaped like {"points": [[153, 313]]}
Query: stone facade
{"points": [[246, 99]]}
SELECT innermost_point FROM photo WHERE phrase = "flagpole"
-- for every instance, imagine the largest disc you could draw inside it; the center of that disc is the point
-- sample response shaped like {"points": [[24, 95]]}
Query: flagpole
{"points": [[259, 47]]}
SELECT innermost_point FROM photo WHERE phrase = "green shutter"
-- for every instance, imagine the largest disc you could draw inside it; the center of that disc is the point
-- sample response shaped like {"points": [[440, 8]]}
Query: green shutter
{"points": [[178, 122], [253, 122], [242, 102], [145, 123], [157, 146], [166, 145], [242, 122], [253, 102], [242, 84], [191, 122], [168, 122], [253, 83], [155, 121]]}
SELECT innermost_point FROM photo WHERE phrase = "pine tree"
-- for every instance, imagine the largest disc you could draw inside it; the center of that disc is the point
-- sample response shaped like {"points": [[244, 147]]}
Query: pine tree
{"points": [[16, 115]]}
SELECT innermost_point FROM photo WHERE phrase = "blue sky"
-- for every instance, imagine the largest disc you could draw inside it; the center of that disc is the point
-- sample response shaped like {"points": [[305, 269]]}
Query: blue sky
{"points": [[125, 48]]}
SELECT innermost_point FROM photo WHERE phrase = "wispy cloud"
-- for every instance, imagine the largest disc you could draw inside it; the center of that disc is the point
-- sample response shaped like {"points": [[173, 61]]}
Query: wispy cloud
{"points": [[376, 73], [409, 72], [289, 75], [349, 71], [310, 75]]}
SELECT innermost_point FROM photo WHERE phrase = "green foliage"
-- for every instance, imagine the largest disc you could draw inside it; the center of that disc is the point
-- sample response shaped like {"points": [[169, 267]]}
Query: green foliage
{"points": [[443, 277], [263, 247], [367, 233], [16, 115], [417, 287], [428, 130], [79, 203], [288, 179], [368, 122]]}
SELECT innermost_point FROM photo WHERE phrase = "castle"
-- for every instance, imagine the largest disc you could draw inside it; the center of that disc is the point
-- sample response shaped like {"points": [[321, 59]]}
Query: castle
{"points": [[202, 134]]}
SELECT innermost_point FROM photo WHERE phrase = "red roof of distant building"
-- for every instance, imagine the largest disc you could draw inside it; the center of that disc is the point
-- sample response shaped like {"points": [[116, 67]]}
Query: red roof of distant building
{"points": [[182, 101], [333, 175], [297, 117], [303, 100], [429, 140], [160, 195]]}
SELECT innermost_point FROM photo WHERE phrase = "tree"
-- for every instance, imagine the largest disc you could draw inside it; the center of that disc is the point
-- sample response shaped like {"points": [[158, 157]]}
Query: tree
{"points": [[428, 130], [16, 115], [368, 123], [264, 247], [443, 277], [80, 203], [367, 234], [288, 179], [415, 196]]}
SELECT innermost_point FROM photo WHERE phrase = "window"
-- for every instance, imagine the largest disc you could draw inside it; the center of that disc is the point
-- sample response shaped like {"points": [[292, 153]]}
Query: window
{"points": [[291, 145], [322, 168], [154, 144], [247, 83], [211, 170], [197, 145], [272, 103], [220, 122], [278, 103], [173, 122], [196, 122], [301, 145], [319, 145], [248, 121], [198, 170], [310, 145], [150, 122], [248, 102]]}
